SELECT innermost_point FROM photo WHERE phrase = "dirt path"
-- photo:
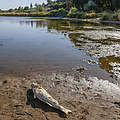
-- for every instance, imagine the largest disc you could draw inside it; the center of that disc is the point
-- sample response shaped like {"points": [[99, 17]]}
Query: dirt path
{"points": [[88, 98]]}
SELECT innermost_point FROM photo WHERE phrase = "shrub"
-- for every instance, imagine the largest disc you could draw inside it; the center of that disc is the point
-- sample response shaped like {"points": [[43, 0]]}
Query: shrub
{"points": [[57, 5], [118, 14], [81, 15], [62, 12], [91, 15], [118, 11], [106, 16], [58, 13], [73, 10], [38, 14], [75, 13], [109, 16]]}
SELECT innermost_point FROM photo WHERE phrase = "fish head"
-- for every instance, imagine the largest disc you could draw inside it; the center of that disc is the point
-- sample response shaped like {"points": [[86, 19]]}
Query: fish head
{"points": [[35, 85]]}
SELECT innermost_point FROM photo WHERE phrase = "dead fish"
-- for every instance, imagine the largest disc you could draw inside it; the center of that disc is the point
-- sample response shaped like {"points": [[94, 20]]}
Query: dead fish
{"points": [[43, 95]]}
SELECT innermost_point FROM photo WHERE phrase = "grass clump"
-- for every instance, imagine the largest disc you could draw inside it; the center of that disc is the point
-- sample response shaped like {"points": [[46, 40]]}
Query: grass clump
{"points": [[32, 14]]}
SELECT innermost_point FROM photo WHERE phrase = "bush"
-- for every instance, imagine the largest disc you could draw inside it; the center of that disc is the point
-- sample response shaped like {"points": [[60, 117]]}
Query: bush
{"points": [[75, 13], [73, 10], [38, 14], [106, 16], [57, 5], [81, 15], [118, 14], [118, 11], [0, 10], [109, 16], [91, 15], [58, 13]]}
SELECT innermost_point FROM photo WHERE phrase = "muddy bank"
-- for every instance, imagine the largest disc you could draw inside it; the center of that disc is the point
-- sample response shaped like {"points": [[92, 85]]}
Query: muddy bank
{"points": [[110, 22], [88, 97]]}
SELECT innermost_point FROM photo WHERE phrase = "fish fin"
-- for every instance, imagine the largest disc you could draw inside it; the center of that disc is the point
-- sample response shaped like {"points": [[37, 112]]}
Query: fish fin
{"points": [[35, 96], [46, 102], [49, 104]]}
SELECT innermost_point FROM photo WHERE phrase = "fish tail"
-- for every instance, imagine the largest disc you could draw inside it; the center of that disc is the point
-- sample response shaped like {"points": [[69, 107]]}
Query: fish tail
{"points": [[66, 111]]}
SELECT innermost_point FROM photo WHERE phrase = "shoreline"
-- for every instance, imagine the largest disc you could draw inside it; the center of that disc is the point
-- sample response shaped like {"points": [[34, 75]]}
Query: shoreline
{"points": [[92, 20]]}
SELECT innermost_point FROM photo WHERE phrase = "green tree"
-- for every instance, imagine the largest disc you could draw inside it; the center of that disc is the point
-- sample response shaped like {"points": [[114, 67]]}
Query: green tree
{"points": [[49, 2], [11, 10], [68, 4], [105, 4], [20, 9], [39, 7], [79, 4], [26, 8], [115, 4], [55, 5]]}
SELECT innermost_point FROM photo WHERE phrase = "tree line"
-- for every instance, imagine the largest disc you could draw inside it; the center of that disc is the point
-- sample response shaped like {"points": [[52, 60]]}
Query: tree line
{"points": [[83, 4], [83, 9]]}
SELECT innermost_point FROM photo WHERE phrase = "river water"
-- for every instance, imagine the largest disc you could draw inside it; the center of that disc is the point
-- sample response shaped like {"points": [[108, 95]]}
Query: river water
{"points": [[33, 45]]}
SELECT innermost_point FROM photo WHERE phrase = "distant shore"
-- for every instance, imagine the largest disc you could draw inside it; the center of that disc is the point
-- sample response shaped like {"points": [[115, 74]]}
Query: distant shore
{"points": [[42, 15]]}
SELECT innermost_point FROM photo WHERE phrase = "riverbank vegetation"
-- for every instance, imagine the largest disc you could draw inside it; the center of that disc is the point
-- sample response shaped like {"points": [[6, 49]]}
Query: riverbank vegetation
{"points": [[83, 9]]}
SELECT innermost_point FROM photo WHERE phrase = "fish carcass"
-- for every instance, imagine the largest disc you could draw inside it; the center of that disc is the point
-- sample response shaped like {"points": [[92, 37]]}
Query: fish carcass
{"points": [[43, 95]]}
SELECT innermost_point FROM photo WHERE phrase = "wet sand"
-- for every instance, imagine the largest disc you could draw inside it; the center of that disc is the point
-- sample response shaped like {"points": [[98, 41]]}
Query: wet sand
{"points": [[89, 98]]}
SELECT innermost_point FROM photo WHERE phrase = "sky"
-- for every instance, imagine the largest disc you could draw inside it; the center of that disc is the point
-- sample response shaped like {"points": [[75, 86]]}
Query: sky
{"points": [[7, 4]]}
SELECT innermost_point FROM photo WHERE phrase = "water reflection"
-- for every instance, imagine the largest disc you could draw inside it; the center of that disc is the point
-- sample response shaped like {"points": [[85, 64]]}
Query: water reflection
{"points": [[59, 25], [98, 41], [36, 24]]}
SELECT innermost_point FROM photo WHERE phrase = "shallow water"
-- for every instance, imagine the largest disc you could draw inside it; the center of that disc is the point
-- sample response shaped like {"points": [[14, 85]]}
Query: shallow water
{"points": [[31, 45]]}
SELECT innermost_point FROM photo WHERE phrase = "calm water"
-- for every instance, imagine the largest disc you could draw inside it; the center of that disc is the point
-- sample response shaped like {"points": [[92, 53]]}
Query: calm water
{"points": [[45, 44]]}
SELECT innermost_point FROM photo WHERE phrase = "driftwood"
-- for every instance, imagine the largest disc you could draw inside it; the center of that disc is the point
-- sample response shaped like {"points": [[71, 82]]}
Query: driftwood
{"points": [[44, 96]]}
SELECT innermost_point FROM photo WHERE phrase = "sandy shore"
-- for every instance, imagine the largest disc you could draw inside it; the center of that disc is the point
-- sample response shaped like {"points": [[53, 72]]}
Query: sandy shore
{"points": [[89, 98]]}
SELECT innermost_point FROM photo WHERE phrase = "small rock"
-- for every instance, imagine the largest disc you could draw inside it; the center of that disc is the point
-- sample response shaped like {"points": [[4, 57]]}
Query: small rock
{"points": [[80, 69], [5, 81]]}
